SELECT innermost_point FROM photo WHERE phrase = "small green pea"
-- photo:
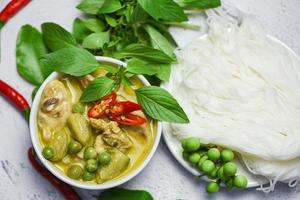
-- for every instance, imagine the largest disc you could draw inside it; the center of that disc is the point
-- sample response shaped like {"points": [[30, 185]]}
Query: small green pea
{"points": [[74, 147], [91, 165], [104, 158], [213, 174], [208, 166], [227, 155], [194, 158], [202, 159], [230, 169], [88, 176], [185, 155], [192, 144], [212, 187], [75, 172], [213, 154], [78, 108], [90, 153], [229, 183], [240, 181], [48, 152]]}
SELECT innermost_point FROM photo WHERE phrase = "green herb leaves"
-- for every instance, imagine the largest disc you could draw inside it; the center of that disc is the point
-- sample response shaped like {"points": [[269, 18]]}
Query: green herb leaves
{"points": [[56, 37], [145, 53], [159, 104], [163, 9], [99, 6], [158, 41], [73, 61], [30, 47], [124, 194], [97, 89], [91, 6], [110, 6], [96, 40]]}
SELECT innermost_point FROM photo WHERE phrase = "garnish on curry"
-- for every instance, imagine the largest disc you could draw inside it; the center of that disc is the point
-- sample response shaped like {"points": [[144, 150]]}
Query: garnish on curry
{"points": [[97, 141]]}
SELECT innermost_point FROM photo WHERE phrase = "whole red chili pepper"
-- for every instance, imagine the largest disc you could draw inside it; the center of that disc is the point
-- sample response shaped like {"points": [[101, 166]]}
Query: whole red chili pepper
{"points": [[67, 191], [11, 9], [16, 98]]}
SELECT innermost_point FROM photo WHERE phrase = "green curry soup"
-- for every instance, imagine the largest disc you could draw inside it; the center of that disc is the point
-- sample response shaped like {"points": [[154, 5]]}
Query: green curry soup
{"points": [[90, 149]]}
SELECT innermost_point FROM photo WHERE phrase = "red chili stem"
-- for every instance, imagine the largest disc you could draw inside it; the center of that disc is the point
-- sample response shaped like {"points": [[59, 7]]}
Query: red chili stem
{"points": [[11, 9], [66, 190], [15, 98]]}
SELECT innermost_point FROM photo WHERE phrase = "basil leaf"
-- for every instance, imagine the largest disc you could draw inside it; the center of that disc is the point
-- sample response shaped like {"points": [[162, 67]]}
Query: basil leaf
{"points": [[138, 15], [80, 31], [164, 72], [203, 4], [111, 21], [73, 61], [56, 37], [30, 47], [158, 41], [159, 104], [94, 25], [136, 66], [164, 30], [97, 89], [91, 6], [145, 53], [110, 6], [163, 9], [124, 194], [96, 40]]}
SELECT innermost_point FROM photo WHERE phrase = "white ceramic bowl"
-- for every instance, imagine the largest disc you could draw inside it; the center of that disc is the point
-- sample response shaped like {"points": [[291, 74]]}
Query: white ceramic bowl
{"points": [[58, 173]]}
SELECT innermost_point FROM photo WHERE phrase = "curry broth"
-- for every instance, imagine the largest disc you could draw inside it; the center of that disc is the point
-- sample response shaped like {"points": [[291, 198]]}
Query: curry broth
{"points": [[142, 136]]}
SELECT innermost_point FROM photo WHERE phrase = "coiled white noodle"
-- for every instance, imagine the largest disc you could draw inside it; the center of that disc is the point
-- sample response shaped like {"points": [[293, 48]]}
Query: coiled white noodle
{"points": [[241, 90]]}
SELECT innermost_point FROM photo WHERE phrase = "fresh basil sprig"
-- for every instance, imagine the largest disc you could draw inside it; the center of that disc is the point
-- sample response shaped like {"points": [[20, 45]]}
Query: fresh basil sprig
{"points": [[163, 9], [97, 89], [159, 104], [74, 61], [145, 53], [56, 37]]}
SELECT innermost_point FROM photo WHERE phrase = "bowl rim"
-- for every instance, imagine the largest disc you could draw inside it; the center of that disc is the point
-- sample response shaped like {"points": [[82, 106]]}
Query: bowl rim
{"points": [[59, 174]]}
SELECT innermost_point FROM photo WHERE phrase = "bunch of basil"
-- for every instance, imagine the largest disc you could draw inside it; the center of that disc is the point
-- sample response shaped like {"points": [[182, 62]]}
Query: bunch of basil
{"points": [[135, 31]]}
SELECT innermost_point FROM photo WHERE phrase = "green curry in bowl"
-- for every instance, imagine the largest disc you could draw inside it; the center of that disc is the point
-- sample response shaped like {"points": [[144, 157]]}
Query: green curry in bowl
{"points": [[98, 141]]}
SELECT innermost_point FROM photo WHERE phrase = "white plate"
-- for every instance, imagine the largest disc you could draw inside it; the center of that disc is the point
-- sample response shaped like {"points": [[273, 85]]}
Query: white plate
{"points": [[174, 144]]}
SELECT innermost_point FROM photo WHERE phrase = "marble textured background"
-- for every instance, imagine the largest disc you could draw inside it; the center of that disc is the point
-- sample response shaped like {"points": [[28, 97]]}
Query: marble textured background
{"points": [[163, 177]]}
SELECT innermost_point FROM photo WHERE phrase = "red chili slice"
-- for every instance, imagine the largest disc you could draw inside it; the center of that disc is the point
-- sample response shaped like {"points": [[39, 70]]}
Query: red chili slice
{"points": [[102, 105], [123, 107], [129, 119]]}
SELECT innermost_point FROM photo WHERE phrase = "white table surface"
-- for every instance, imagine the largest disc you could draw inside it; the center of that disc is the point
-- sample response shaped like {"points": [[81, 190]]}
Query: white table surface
{"points": [[163, 177]]}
